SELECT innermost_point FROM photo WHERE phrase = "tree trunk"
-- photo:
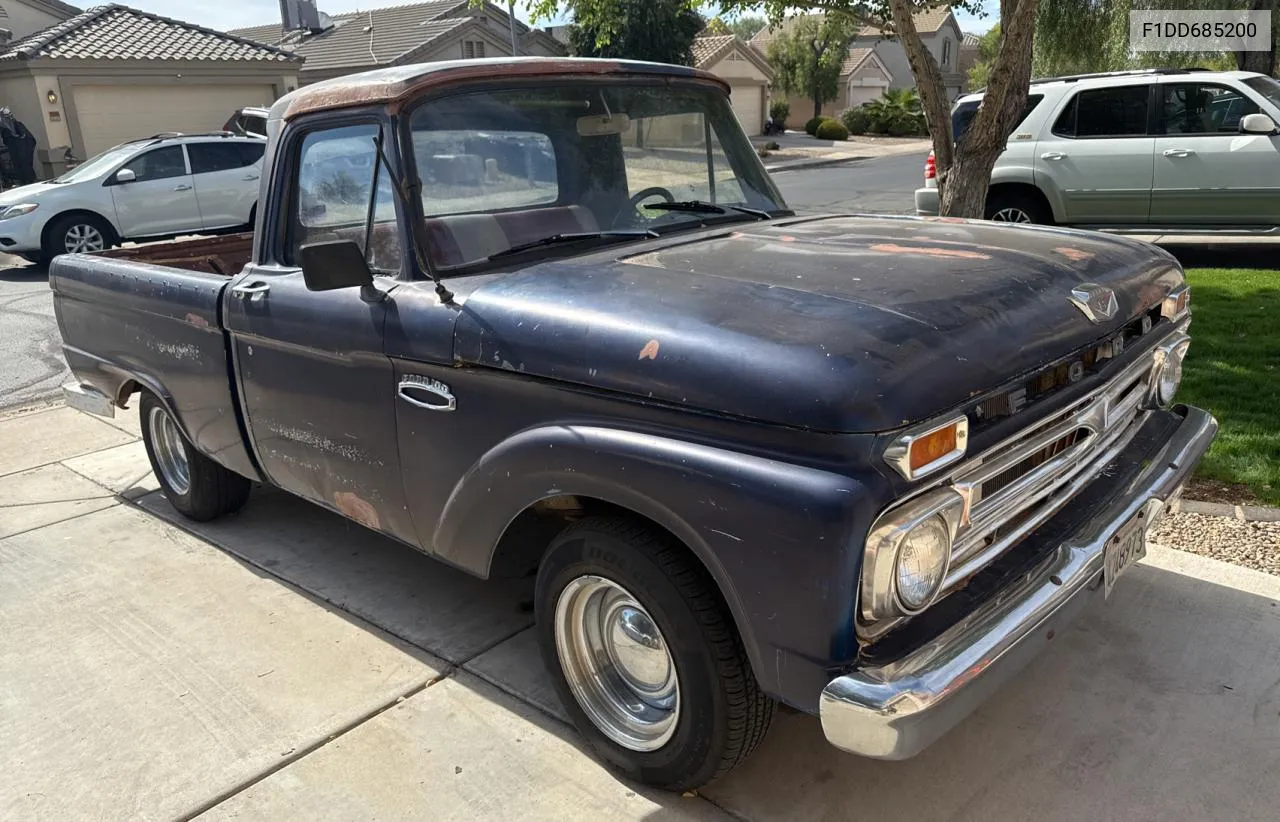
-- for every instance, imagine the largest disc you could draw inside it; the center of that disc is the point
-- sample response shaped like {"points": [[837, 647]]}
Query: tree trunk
{"points": [[964, 173], [1263, 62]]}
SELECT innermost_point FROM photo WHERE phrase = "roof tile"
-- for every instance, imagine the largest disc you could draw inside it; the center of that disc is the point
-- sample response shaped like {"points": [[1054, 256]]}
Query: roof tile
{"points": [[117, 32]]}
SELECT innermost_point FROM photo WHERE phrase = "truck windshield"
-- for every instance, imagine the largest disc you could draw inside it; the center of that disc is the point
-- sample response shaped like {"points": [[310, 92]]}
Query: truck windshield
{"points": [[510, 167]]}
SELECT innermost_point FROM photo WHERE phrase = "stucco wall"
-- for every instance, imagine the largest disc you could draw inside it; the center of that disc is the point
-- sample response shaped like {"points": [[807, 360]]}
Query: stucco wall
{"points": [[730, 69], [23, 20]]}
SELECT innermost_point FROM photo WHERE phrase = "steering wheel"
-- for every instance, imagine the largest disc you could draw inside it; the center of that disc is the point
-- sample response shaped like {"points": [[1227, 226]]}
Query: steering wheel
{"points": [[652, 191]]}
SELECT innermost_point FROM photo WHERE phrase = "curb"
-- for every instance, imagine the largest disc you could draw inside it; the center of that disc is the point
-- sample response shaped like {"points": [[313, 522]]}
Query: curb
{"points": [[1241, 513], [797, 165]]}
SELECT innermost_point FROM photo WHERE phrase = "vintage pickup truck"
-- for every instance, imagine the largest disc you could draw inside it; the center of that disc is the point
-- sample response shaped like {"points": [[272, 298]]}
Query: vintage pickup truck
{"points": [[552, 318]]}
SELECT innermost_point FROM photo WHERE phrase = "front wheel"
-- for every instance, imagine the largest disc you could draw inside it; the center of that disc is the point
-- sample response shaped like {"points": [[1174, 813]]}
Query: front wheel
{"points": [[645, 656], [76, 234], [198, 487]]}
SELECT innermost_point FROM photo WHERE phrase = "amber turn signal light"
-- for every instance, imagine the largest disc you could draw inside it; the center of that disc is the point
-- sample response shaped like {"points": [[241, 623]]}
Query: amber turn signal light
{"points": [[932, 447], [928, 448]]}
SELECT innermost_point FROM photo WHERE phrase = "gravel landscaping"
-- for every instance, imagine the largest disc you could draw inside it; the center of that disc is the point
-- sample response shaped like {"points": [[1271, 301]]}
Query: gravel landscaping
{"points": [[1253, 545]]}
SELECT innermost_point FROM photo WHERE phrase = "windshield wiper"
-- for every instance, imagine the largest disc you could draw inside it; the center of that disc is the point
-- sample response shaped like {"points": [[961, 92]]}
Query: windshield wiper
{"points": [[702, 207], [556, 239]]}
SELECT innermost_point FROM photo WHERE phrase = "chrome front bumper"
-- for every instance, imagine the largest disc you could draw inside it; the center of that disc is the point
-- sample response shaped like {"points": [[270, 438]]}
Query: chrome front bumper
{"points": [[895, 711]]}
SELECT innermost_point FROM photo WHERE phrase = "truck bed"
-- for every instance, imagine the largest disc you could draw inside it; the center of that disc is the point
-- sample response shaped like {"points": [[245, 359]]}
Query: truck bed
{"points": [[150, 318], [225, 255]]}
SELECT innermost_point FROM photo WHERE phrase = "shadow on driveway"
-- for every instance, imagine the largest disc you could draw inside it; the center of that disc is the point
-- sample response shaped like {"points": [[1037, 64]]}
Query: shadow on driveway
{"points": [[1163, 702]]}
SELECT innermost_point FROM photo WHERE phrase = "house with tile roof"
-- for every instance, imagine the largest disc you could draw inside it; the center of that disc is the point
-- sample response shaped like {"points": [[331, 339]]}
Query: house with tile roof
{"points": [[942, 37], [114, 73], [397, 35], [877, 61], [863, 77], [748, 74]]}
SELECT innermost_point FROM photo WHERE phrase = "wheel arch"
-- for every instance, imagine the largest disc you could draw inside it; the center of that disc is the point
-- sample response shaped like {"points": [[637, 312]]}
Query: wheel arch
{"points": [[1023, 189], [766, 532], [82, 212]]}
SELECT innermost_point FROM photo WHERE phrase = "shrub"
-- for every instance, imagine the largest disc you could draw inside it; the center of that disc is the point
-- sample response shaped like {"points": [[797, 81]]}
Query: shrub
{"points": [[772, 146], [832, 130], [779, 110], [811, 127], [856, 120]]}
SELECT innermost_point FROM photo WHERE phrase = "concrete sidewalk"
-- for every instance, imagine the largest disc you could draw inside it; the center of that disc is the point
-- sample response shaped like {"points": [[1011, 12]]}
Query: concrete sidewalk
{"points": [[798, 150], [284, 663]]}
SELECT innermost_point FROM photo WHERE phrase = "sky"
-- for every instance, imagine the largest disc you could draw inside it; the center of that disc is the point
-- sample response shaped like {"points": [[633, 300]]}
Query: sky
{"points": [[230, 14]]}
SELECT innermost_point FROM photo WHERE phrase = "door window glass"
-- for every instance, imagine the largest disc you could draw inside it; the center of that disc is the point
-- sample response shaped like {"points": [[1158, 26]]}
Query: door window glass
{"points": [[1105, 112], [963, 114], [158, 164], [221, 156], [332, 202], [1201, 108]]}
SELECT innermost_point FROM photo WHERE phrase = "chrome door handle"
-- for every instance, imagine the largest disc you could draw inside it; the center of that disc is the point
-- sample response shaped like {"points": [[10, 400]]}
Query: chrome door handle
{"points": [[438, 395], [248, 177], [1053, 155], [182, 188], [1178, 152], [254, 292]]}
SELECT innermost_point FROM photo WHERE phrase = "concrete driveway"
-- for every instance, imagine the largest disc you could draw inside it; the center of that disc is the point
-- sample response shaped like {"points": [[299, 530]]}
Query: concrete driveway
{"points": [[284, 663]]}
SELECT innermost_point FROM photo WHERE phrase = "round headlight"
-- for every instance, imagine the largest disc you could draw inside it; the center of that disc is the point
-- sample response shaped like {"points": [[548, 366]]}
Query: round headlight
{"points": [[923, 556]]}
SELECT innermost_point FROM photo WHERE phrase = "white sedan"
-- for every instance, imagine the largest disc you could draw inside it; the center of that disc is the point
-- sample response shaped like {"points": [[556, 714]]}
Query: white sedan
{"points": [[158, 187]]}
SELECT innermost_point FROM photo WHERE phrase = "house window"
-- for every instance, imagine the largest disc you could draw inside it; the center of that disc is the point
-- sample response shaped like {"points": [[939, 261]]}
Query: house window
{"points": [[946, 54], [472, 49]]}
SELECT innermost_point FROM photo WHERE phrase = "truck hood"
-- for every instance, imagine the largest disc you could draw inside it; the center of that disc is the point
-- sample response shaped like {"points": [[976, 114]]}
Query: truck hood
{"points": [[850, 324]]}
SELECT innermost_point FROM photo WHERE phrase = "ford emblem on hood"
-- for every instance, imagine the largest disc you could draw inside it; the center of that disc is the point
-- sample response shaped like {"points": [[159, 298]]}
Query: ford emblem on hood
{"points": [[1096, 301]]}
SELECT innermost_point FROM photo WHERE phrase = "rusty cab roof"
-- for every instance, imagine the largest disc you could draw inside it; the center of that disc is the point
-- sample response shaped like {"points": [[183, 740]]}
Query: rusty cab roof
{"points": [[395, 84]]}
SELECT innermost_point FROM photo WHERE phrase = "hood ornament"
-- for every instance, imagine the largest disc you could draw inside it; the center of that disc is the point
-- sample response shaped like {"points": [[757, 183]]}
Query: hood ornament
{"points": [[1096, 301]]}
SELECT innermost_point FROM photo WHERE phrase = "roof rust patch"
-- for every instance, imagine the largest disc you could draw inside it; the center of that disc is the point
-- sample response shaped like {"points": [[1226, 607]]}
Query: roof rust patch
{"points": [[396, 89]]}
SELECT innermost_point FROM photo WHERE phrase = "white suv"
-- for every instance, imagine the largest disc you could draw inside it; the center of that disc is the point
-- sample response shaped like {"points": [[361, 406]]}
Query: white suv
{"points": [[1181, 149], [158, 187]]}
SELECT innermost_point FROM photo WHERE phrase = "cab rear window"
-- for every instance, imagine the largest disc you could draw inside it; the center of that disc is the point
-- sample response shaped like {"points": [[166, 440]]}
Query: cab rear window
{"points": [[962, 115]]}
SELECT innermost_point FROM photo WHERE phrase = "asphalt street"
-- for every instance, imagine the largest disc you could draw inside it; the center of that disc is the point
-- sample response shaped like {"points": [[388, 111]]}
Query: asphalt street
{"points": [[882, 185], [31, 365]]}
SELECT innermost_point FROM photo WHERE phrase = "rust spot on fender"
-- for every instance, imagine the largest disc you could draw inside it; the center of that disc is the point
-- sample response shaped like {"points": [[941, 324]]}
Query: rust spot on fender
{"points": [[650, 350], [196, 319], [357, 509], [930, 251], [1075, 255]]}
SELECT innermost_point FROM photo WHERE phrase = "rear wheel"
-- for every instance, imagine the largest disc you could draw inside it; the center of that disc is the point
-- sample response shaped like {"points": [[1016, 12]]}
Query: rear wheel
{"points": [[76, 234], [1017, 207], [644, 655], [195, 485]]}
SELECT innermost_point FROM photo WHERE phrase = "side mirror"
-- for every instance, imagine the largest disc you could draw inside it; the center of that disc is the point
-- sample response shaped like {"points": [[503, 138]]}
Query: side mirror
{"points": [[1257, 124], [333, 264], [126, 175]]}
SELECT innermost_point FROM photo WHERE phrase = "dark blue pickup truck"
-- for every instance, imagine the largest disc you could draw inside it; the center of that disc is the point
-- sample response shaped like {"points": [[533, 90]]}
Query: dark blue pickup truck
{"points": [[552, 318]]}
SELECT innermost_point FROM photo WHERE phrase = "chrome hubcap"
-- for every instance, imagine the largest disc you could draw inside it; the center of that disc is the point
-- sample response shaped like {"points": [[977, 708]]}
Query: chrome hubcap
{"points": [[170, 451], [1011, 215], [617, 663], [83, 237]]}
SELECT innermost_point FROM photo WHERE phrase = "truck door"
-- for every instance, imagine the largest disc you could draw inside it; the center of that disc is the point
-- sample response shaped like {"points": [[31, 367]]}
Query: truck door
{"points": [[317, 390]]}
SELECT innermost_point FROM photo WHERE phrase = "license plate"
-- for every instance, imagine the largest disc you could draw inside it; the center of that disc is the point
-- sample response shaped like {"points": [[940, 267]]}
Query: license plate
{"points": [[1126, 546]]}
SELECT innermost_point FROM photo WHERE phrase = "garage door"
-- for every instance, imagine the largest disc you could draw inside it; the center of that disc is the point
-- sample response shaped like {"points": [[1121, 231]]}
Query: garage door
{"points": [[110, 115], [747, 104]]}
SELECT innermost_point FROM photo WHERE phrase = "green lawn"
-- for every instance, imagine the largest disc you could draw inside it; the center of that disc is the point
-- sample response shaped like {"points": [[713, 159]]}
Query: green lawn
{"points": [[1233, 369]]}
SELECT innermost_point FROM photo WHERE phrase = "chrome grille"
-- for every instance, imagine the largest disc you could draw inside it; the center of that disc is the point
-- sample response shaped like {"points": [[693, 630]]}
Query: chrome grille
{"points": [[1022, 482]]}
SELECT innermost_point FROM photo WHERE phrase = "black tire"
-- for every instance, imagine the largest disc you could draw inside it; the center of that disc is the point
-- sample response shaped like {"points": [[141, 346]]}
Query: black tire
{"points": [[212, 490], [723, 714], [55, 236], [1003, 203]]}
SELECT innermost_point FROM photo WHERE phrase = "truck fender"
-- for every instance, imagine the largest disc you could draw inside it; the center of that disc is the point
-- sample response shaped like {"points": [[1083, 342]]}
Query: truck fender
{"points": [[766, 531]]}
